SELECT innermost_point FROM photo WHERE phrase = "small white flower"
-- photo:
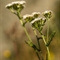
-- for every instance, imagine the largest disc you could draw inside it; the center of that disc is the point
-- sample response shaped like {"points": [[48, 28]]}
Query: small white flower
{"points": [[19, 2], [43, 18], [24, 17], [34, 13], [48, 14], [27, 16], [37, 19], [8, 5], [48, 11], [15, 3]]}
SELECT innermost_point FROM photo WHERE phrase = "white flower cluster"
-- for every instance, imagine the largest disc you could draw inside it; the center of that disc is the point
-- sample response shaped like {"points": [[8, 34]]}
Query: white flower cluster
{"points": [[48, 14], [15, 3], [36, 13], [38, 19], [27, 16], [48, 11], [33, 15]]}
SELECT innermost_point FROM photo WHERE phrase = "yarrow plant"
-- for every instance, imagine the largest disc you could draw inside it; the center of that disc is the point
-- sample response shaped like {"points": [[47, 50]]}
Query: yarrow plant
{"points": [[37, 23]]}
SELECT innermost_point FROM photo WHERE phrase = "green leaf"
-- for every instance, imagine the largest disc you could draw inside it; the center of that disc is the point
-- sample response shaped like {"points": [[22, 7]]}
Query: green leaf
{"points": [[51, 38], [32, 45]]}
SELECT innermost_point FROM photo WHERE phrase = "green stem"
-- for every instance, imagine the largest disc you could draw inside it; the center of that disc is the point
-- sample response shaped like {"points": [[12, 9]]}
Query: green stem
{"points": [[47, 30], [48, 52], [27, 34], [38, 56], [24, 27], [38, 44], [37, 39]]}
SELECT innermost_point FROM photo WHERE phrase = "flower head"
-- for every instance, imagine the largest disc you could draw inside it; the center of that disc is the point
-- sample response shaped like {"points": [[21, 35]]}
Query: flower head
{"points": [[38, 20], [8, 6], [17, 5], [19, 2], [36, 14], [47, 14], [28, 17], [38, 23]]}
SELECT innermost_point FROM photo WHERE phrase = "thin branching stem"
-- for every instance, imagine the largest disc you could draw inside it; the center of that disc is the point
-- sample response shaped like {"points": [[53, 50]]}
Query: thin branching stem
{"points": [[38, 56], [24, 27], [38, 44], [27, 34], [48, 52]]}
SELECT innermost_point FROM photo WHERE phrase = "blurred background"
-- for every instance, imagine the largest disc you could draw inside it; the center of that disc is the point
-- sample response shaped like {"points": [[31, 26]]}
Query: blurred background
{"points": [[12, 35]]}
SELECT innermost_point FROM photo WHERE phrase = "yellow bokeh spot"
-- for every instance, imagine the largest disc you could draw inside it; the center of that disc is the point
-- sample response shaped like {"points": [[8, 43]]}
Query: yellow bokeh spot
{"points": [[7, 54]]}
